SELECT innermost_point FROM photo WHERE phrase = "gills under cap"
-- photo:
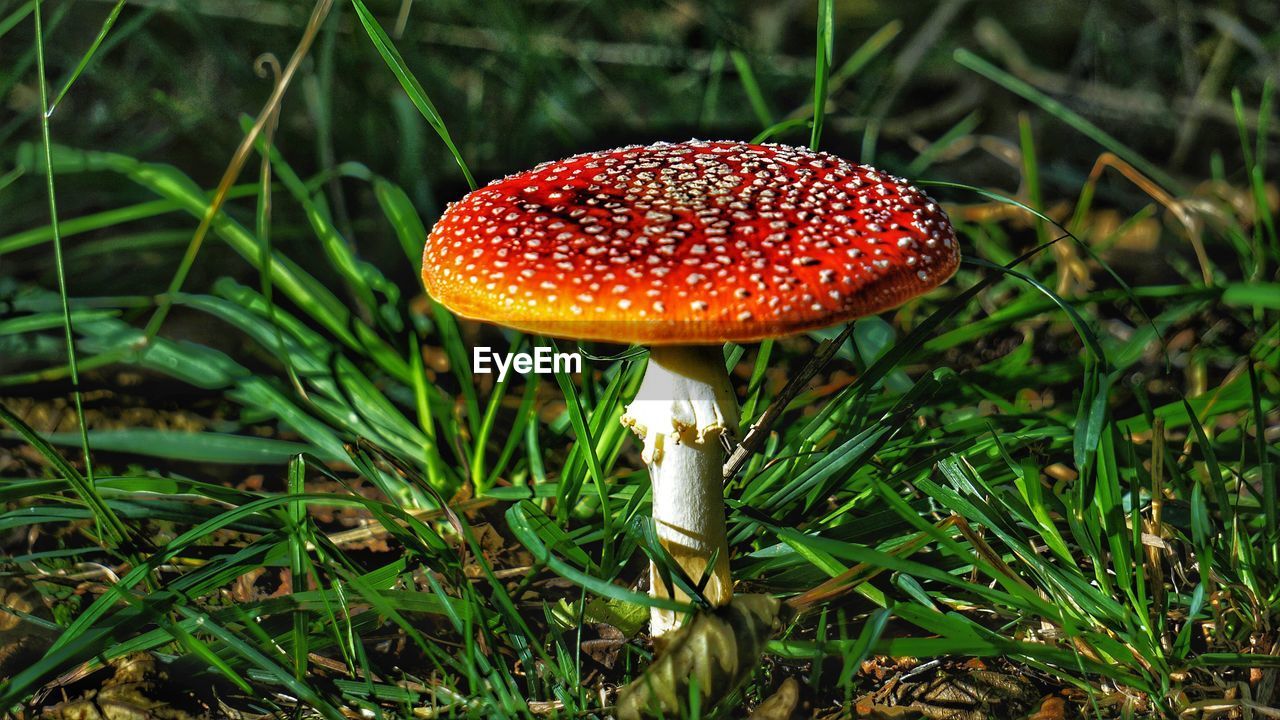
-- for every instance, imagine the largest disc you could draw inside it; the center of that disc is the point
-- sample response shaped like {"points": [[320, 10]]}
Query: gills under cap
{"points": [[688, 243]]}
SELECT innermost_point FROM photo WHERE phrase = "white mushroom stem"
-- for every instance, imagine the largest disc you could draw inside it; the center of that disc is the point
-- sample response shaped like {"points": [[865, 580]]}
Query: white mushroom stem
{"points": [[683, 408]]}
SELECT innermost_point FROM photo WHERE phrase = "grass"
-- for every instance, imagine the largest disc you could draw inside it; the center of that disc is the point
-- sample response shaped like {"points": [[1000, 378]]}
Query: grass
{"points": [[1050, 462]]}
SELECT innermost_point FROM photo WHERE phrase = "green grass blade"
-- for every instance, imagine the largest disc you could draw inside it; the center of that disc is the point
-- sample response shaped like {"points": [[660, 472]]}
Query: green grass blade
{"points": [[113, 530], [1062, 112], [17, 16], [747, 77], [88, 55], [584, 438], [382, 43], [298, 563], [822, 69], [202, 447], [518, 519]]}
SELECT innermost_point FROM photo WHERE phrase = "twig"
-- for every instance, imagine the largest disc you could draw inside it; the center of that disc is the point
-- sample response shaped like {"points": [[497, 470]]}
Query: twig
{"points": [[755, 437]]}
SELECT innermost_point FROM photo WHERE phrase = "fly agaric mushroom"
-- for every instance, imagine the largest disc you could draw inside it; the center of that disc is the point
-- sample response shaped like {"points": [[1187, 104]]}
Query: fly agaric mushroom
{"points": [[683, 247]]}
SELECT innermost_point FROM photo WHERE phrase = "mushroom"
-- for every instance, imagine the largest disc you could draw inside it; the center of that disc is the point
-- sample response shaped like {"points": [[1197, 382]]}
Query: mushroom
{"points": [[683, 247]]}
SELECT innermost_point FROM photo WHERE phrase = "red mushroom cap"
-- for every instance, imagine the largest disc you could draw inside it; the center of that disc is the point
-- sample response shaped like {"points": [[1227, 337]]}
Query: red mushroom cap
{"points": [[688, 243]]}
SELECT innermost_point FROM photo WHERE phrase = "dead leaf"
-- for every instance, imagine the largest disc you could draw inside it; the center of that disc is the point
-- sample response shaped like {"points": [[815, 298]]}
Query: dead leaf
{"points": [[867, 708], [605, 648], [1053, 707], [781, 705], [132, 693], [14, 602]]}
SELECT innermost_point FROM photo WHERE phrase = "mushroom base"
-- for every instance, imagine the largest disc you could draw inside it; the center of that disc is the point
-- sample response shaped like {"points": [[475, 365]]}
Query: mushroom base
{"points": [[684, 407]]}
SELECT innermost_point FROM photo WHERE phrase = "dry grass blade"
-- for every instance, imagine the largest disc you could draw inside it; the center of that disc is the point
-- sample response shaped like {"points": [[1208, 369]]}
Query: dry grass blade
{"points": [[238, 160], [1187, 212], [1155, 526]]}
